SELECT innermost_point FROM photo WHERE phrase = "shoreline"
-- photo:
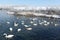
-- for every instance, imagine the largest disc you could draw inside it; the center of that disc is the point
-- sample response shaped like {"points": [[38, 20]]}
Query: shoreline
{"points": [[36, 15]]}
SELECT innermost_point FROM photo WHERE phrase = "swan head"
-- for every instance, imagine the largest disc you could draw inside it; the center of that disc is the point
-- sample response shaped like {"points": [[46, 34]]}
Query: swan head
{"points": [[5, 34]]}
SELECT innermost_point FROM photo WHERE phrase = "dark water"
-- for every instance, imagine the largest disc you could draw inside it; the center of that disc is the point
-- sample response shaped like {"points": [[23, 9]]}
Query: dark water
{"points": [[39, 32]]}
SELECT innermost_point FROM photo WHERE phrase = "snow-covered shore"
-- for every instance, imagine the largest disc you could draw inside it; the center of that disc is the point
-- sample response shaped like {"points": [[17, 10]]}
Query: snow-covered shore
{"points": [[35, 14]]}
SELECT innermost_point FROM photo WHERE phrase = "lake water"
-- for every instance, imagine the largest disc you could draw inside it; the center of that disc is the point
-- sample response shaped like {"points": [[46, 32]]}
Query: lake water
{"points": [[39, 29]]}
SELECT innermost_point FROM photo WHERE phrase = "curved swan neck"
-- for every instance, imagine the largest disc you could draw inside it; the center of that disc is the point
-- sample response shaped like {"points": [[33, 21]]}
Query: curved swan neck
{"points": [[5, 34]]}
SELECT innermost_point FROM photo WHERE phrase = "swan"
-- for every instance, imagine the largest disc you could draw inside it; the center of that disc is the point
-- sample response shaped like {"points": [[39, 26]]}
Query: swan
{"points": [[22, 23], [34, 19], [56, 24], [8, 22], [46, 24], [41, 23], [45, 21], [10, 29], [8, 36], [51, 22], [35, 24], [31, 22], [27, 25], [15, 24], [19, 30], [29, 28]]}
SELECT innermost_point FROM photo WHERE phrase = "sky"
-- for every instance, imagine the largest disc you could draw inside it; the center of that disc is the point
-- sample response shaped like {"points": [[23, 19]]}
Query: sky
{"points": [[31, 2]]}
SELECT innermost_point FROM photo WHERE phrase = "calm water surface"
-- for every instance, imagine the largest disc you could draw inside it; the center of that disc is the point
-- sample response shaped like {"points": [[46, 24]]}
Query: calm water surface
{"points": [[38, 32]]}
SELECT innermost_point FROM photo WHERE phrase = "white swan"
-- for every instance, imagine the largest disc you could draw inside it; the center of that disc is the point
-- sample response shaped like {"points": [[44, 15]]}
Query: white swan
{"points": [[41, 23], [35, 24], [56, 24], [8, 36], [51, 22], [10, 29], [22, 22], [19, 30], [45, 21], [31, 22], [8, 22], [27, 25], [29, 28], [34, 19], [15, 24], [46, 24]]}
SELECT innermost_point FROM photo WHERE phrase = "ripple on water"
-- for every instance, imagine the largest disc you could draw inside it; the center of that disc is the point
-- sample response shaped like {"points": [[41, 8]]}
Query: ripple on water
{"points": [[23, 23]]}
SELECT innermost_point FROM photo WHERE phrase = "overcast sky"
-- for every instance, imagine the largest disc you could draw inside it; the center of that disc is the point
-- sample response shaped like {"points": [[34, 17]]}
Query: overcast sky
{"points": [[31, 2]]}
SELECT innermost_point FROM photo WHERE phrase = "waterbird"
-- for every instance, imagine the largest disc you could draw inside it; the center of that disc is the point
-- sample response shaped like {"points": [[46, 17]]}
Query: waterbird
{"points": [[15, 24], [8, 22], [10, 29], [51, 22], [31, 22], [35, 24], [41, 23], [56, 24], [44, 21], [27, 25], [22, 23], [46, 24], [19, 30], [34, 19], [8, 36], [29, 28]]}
